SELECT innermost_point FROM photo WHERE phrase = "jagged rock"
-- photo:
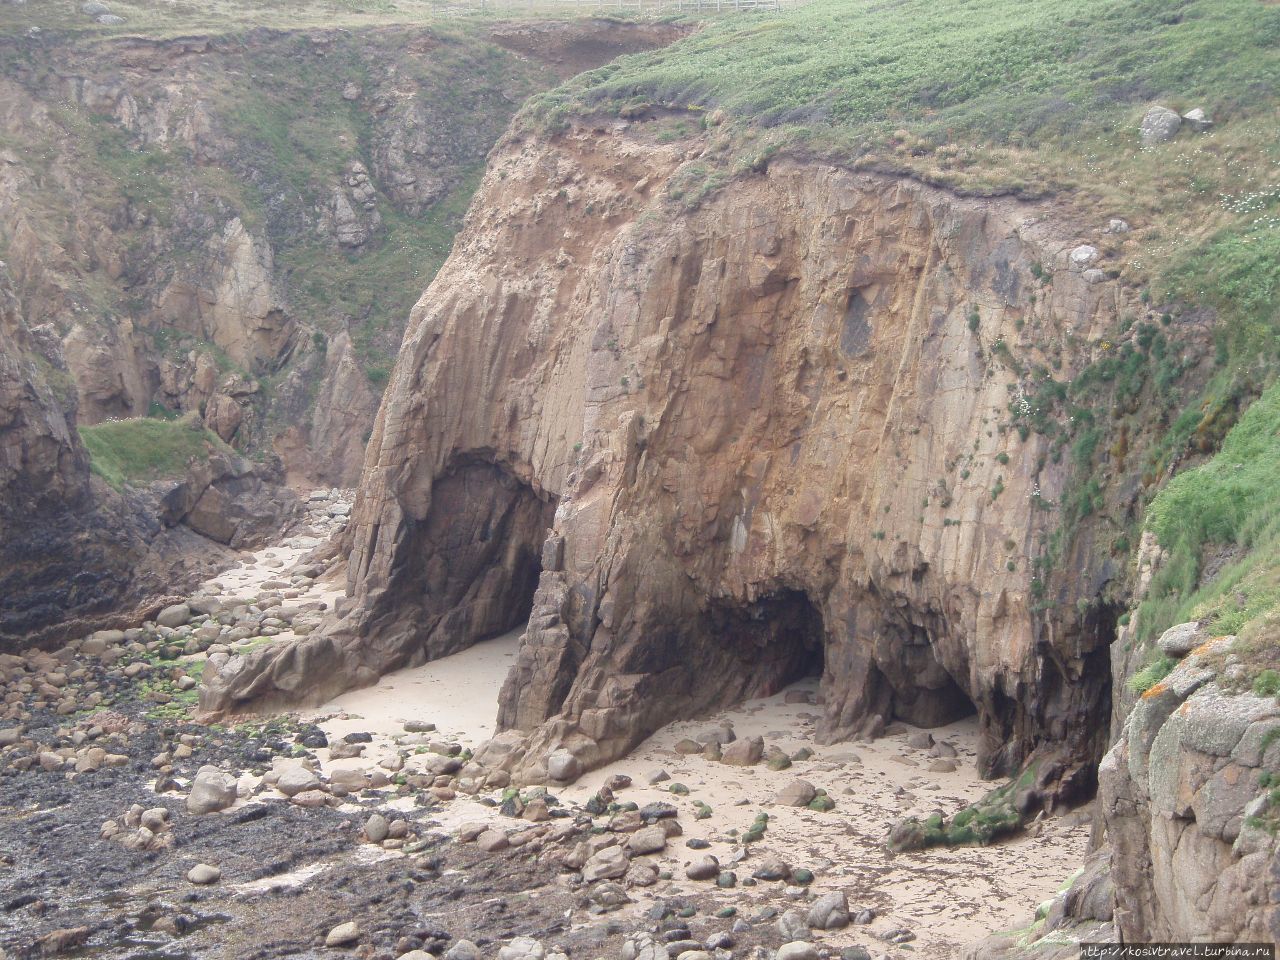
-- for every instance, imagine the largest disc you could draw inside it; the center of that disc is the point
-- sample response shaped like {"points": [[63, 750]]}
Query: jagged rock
{"points": [[1159, 124], [793, 925], [1179, 788]]}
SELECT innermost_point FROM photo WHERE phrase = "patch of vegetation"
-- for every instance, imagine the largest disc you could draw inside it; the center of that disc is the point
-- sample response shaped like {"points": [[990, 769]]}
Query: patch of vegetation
{"points": [[133, 452], [1150, 675], [1228, 507], [994, 816]]}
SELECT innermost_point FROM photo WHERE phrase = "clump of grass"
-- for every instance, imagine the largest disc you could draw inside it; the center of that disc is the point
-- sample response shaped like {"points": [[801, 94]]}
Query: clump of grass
{"points": [[133, 452], [1151, 674]]}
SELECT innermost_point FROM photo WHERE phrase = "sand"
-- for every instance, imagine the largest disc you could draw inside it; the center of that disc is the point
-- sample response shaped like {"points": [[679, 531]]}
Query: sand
{"points": [[946, 897]]}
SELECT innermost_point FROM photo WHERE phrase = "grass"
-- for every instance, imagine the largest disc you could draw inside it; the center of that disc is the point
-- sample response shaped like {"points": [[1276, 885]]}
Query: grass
{"points": [[1228, 507], [133, 452], [1150, 675]]}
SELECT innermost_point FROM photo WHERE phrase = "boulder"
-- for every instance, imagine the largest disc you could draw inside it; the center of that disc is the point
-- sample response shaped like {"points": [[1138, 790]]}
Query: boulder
{"points": [[704, 868], [203, 874], [1180, 640], [212, 790], [609, 864], [563, 766], [295, 778], [344, 934], [1159, 125], [744, 752], [797, 793], [178, 615], [830, 911]]}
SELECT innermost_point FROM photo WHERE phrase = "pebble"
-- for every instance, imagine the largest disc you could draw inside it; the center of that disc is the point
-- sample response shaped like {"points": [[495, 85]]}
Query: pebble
{"points": [[203, 874], [343, 934]]}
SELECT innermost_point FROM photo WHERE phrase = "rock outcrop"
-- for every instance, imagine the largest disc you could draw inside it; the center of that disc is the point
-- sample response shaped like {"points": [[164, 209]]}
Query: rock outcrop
{"points": [[175, 230], [1188, 808], [763, 428]]}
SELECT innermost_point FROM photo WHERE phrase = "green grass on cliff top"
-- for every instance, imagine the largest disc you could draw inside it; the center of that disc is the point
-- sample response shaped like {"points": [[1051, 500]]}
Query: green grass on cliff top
{"points": [[131, 452], [999, 71]]}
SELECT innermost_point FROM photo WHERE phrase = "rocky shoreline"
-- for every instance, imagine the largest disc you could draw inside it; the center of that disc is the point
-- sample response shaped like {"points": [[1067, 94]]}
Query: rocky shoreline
{"points": [[129, 830]]}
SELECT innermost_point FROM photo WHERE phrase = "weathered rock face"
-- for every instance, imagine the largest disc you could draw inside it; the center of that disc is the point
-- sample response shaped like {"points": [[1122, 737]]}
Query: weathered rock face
{"points": [[1190, 822], [175, 230], [768, 426]]}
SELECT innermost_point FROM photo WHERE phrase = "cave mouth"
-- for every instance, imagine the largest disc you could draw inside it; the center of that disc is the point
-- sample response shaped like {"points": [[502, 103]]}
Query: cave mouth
{"points": [[472, 565], [768, 644]]}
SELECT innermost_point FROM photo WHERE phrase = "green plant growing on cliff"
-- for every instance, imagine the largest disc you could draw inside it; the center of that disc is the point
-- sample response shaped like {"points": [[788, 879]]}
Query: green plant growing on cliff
{"points": [[1151, 674], [1230, 505], [131, 452]]}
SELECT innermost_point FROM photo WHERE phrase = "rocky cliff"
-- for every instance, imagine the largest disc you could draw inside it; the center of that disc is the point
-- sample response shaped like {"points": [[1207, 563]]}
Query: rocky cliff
{"points": [[237, 223], [73, 552], [736, 436], [1187, 802]]}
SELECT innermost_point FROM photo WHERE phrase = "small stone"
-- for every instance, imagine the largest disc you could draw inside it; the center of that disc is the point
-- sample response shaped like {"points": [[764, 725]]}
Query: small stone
{"points": [[657, 776], [463, 950], [203, 874], [343, 935], [376, 828], [798, 793], [704, 868]]}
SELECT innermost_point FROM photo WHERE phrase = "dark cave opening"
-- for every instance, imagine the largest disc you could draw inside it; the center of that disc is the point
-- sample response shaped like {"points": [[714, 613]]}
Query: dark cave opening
{"points": [[771, 642], [923, 692], [475, 559]]}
